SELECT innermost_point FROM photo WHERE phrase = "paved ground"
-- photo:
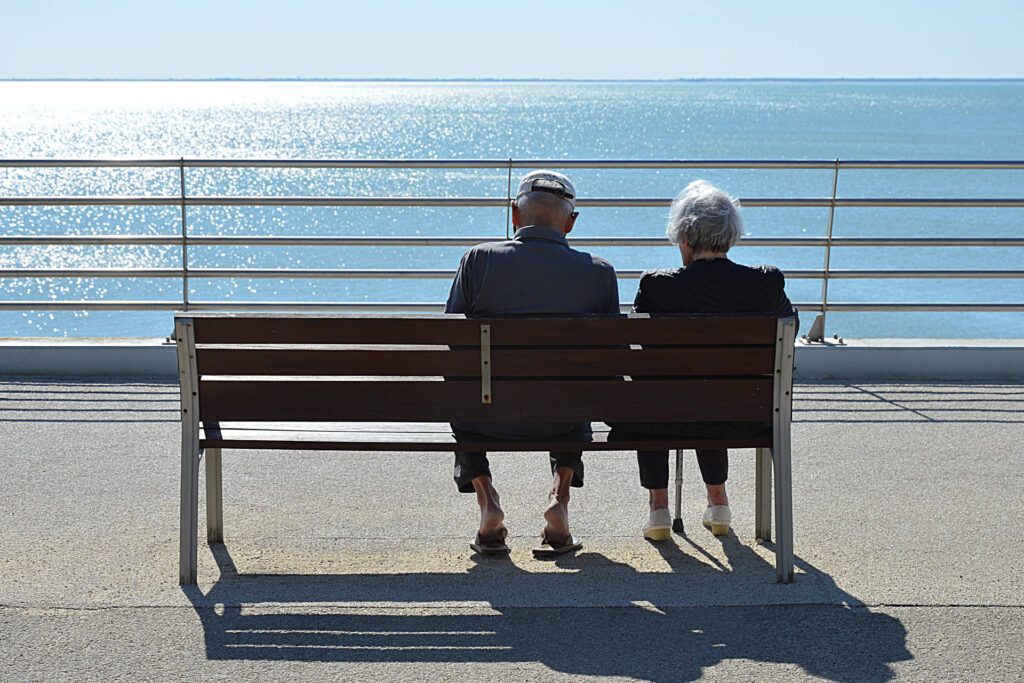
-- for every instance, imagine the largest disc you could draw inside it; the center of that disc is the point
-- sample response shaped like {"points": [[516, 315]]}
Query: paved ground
{"points": [[910, 555]]}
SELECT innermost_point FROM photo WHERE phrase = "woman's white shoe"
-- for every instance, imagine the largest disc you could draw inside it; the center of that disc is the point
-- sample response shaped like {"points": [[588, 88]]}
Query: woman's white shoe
{"points": [[718, 518], [659, 525]]}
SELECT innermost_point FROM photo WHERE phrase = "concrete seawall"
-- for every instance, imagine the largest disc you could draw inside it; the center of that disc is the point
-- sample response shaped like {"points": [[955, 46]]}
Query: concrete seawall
{"points": [[889, 359]]}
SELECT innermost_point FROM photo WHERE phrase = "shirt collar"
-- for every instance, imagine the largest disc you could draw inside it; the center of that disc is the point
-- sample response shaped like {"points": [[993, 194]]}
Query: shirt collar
{"points": [[540, 232]]}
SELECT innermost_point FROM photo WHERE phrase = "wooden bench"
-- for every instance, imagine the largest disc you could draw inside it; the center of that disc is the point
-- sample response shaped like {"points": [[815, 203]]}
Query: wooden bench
{"points": [[392, 383]]}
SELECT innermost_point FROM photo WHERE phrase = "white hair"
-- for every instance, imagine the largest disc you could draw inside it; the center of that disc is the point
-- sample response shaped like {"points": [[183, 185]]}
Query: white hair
{"points": [[706, 217]]}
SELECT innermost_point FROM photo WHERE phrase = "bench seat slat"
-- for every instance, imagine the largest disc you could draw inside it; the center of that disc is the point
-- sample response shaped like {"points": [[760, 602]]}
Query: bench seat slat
{"points": [[566, 400], [752, 360], [440, 329], [433, 437]]}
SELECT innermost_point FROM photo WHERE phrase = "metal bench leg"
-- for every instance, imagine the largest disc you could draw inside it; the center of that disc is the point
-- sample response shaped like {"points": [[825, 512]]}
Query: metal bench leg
{"points": [[763, 495], [214, 496], [783, 509], [781, 448], [188, 540], [677, 523]]}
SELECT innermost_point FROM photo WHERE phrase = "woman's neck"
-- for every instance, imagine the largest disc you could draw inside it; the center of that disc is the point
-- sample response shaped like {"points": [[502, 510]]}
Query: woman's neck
{"points": [[707, 256], [689, 255]]}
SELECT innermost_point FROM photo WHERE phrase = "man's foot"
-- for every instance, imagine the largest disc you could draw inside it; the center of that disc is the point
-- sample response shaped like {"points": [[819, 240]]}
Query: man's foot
{"points": [[492, 518], [549, 548], [493, 530], [492, 523], [491, 547], [556, 531]]}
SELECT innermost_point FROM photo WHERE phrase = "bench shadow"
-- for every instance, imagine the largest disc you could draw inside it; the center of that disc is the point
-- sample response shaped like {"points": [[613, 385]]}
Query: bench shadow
{"points": [[410, 617]]}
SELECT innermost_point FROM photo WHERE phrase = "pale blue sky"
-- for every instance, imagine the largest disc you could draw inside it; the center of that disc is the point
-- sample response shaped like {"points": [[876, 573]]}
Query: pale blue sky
{"points": [[547, 39]]}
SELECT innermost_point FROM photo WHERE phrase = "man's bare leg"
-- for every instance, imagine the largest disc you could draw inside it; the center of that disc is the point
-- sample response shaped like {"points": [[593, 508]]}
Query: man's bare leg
{"points": [[491, 516], [557, 513], [658, 498]]}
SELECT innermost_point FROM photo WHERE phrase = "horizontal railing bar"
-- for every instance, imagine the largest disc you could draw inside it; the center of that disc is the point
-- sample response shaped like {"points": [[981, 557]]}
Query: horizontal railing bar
{"points": [[90, 201], [598, 202], [77, 240], [932, 165], [90, 163], [406, 241], [624, 164], [447, 274], [434, 307], [438, 307], [905, 274], [923, 203], [888, 241], [257, 273], [221, 306], [252, 273], [385, 241], [915, 307], [90, 272]]}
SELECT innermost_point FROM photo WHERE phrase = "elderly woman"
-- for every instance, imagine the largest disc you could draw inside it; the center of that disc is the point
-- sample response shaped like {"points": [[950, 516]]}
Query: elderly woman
{"points": [[704, 222]]}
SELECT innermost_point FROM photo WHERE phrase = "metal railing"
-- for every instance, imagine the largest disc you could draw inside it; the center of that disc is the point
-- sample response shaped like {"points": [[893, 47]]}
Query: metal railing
{"points": [[185, 240]]}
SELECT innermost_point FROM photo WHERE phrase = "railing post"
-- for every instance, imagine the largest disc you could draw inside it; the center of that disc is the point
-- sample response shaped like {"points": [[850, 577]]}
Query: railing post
{"points": [[508, 204], [817, 331], [184, 237]]}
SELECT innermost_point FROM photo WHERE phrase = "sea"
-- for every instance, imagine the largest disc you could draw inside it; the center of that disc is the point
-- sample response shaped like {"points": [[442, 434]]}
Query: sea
{"points": [[545, 120]]}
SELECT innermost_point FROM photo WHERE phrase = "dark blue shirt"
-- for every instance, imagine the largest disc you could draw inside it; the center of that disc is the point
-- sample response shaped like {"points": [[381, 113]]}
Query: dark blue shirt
{"points": [[535, 272]]}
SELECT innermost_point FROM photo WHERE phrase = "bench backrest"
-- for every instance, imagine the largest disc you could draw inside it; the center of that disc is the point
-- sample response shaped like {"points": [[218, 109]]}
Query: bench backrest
{"points": [[440, 368]]}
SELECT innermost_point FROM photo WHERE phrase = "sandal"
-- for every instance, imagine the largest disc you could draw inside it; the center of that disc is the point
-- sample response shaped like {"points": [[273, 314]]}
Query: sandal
{"points": [[495, 547], [549, 549]]}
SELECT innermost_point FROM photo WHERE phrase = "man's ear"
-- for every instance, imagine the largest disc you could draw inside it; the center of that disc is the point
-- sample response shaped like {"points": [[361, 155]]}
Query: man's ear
{"points": [[571, 221], [515, 214]]}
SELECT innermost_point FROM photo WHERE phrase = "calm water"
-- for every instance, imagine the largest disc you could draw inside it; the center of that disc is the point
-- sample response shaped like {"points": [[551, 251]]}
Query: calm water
{"points": [[694, 120]]}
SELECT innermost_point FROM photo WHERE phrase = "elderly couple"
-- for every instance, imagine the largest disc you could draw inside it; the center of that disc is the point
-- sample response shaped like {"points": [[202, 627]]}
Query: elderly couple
{"points": [[537, 272]]}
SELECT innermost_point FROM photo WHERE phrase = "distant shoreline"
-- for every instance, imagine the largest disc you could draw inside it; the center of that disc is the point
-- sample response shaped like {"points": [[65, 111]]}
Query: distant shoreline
{"points": [[513, 80]]}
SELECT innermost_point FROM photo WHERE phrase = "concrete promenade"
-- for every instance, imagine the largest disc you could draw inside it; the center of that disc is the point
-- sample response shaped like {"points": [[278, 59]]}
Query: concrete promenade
{"points": [[909, 542]]}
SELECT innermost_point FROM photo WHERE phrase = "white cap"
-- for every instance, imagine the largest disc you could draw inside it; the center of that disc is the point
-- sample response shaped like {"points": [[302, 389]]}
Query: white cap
{"points": [[548, 181]]}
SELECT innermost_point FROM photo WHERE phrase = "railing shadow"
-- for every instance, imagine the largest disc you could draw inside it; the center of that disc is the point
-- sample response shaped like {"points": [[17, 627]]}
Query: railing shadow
{"points": [[892, 402], [312, 618], [89, 401]]}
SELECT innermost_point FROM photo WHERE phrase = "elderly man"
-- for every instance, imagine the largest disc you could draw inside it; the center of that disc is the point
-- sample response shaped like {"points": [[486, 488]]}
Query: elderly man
{"points": [[535, 272]]}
